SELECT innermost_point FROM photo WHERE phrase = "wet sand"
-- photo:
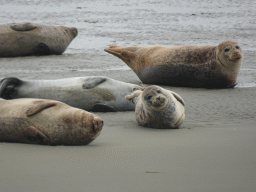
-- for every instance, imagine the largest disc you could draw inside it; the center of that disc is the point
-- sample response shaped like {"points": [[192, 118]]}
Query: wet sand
{"points": [[214, 149]]}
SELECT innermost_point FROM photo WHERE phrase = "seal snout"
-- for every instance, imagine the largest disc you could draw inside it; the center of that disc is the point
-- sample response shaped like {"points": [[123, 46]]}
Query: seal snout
{"points": [[158, 101], [74, 31], [8, 87], [97, 124]]}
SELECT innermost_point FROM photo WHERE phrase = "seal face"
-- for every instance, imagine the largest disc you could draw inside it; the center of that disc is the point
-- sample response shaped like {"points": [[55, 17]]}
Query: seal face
{"points": [[158, 108], [48, 122], [93, 93], [186, 66], [24, 39]]}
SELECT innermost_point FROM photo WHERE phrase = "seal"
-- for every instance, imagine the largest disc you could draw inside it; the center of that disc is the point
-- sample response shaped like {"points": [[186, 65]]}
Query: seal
{"points": [[184, 66], [47, 122], [92, 93], [158, 108], [25, 39]]}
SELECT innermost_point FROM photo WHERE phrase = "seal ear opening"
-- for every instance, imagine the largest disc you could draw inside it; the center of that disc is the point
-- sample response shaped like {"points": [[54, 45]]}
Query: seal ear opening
{"points": [[179, 98], [7, 87], [39, 106]]}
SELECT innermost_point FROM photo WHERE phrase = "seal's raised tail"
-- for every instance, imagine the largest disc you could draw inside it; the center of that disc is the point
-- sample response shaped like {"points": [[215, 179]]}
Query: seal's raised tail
{"points": [[124, 53]]}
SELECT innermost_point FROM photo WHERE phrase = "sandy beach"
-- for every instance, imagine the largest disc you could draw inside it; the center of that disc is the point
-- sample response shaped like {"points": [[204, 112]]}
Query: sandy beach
{"points": [[213, 150]]}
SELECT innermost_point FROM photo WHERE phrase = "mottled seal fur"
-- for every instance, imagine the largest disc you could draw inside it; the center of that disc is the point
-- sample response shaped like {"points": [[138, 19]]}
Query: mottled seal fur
{"points": [[189, 66], [158, 108], [24, 39], [92, 93], [48, 122]]}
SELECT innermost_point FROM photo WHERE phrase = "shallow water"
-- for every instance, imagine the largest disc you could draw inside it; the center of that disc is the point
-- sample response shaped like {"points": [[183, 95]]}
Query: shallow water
{"points": [[143, 23]]}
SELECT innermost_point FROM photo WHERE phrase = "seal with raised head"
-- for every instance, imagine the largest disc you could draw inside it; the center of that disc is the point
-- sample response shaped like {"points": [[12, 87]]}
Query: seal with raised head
{"points": [[158, 108], [25, 39], [48, 122], [92, 93], [185, 66]]}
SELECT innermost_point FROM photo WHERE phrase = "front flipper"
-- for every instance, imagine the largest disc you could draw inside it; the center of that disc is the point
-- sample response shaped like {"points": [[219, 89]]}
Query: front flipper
{"points": [[42, 49], [133, 97], [23, 27], [35, 135], [8, 87], [103, 108], [39, 106], [93, 82], [178, 97]]}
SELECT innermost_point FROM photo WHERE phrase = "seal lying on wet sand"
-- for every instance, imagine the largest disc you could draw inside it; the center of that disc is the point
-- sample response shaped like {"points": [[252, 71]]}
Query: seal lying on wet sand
{"points": [[48, 122], [24, 39], [92, 93], [189, 66], [158, 108]]}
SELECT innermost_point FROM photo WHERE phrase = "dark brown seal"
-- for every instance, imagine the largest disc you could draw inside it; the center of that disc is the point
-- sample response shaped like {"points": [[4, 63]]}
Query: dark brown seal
{"points": [[158, 108], [24, 39], [48, 122], [189, 66]]}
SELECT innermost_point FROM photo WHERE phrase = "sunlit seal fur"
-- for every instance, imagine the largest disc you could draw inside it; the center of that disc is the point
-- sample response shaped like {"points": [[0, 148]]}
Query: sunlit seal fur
{"points": [[48, 122], [24, 39], [92, 93], [158, 108], [189, 66]]}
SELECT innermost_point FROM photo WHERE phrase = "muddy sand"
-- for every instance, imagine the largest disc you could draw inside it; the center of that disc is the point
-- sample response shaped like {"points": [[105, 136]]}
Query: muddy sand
{"points": [[214, 149]]}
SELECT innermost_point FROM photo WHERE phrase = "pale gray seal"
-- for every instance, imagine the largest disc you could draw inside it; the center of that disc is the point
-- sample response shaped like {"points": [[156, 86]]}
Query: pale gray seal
{"points": [[158, 108], [189, 66], [24, 39], [92, 93], [48, 122]]}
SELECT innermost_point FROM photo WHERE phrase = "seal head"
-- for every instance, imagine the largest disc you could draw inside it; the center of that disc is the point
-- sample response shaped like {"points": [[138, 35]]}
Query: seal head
{"points": [[8, 87]]}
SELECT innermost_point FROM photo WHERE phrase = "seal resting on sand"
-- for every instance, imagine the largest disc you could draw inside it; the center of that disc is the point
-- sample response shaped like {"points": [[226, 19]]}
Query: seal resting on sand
{"points": [[92, 93], [158, 108], [24, 39], [186, 66], [48, 122]]}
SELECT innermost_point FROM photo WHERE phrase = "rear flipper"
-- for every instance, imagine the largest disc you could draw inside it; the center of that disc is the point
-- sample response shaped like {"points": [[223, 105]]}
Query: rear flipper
{"points": [[8, 87], [124, 53]]}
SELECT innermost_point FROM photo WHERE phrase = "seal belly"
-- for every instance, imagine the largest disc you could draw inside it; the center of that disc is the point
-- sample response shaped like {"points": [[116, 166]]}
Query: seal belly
{"points": [[183, 76]]}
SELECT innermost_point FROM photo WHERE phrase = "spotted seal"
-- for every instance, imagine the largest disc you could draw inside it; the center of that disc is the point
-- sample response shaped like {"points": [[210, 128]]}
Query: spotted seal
{"points": [[158, 108], [92, 93], [48, 122], [188, 66], [25, 39]]}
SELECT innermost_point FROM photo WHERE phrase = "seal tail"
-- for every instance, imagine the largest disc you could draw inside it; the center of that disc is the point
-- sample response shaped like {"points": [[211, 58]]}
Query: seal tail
{"points": [[121, 52]]}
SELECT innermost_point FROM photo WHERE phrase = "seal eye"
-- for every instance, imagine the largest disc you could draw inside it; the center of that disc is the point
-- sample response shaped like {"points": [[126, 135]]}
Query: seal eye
{"points": [[148, 97], [159, 91], [226, 50], [237, 47]]}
